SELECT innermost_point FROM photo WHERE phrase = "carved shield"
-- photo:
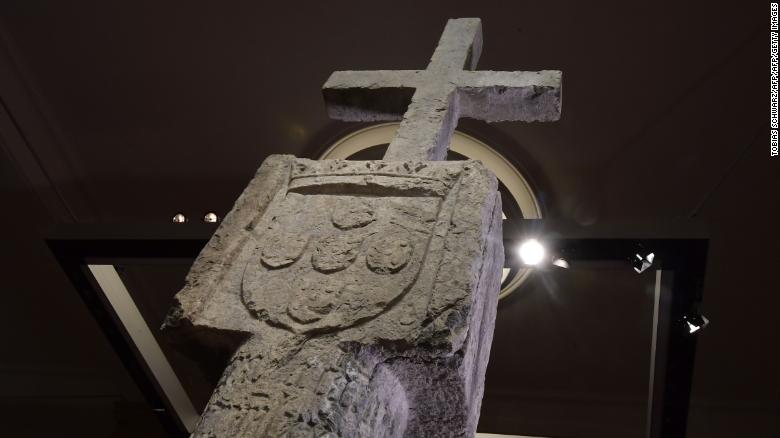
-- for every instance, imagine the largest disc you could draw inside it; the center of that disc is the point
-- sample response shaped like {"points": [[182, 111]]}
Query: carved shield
{"points": [[329, 255]]}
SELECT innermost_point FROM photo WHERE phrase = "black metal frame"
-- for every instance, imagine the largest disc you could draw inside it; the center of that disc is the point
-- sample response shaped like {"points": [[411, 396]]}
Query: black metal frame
{"points": [[680, 253], [76, 246], [679, 249]]}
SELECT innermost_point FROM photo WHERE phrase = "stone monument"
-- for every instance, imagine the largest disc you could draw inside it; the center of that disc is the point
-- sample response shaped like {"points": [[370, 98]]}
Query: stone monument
{"points": [[361, 295]]}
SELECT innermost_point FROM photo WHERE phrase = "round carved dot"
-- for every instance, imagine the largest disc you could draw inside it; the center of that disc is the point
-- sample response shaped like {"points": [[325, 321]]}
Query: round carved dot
{"points": [[313, 299], [388, 254], [335, 252], [280, 250], [354, 214]]}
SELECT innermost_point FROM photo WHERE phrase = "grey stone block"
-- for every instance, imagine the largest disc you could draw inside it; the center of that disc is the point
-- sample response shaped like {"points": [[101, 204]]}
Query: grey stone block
{"points": [[363, 295]]}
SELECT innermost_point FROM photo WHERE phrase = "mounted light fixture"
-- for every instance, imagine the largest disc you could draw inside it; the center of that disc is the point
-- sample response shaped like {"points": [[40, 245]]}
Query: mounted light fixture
{"points": [[695, 322], [211, 217], [642, 259], [531, 252], [179, 218]]}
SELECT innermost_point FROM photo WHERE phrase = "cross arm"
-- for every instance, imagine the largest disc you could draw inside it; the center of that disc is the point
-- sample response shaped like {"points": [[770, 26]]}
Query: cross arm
{"points": [[496, 96], [369, 95]]}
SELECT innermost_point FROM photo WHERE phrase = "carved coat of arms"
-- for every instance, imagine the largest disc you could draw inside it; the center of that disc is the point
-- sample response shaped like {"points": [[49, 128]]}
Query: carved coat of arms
{"points": [[329, 255]]}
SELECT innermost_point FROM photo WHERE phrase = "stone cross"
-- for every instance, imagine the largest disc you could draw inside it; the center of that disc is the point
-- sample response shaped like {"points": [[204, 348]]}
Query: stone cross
{"points": [[432, 100], [358, 298]]}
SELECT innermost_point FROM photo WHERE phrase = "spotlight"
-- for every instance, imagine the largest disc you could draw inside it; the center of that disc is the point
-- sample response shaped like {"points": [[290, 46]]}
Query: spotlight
{"points": [[642, 260], [211, 217], [561, 263], [179, 218], [695, 322], [531, 252]]}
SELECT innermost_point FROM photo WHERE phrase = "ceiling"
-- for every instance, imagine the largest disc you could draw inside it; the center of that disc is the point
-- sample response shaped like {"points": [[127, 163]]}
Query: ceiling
{"points": [[126, 112]]}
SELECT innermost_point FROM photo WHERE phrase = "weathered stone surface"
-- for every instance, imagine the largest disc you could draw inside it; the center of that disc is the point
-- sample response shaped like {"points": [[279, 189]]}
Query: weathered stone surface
{"points": [[364, 295], [429, 102]]}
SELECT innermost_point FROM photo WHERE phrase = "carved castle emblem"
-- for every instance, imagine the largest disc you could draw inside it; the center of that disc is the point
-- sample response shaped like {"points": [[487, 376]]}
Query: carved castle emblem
{"points": [[351, 256]]}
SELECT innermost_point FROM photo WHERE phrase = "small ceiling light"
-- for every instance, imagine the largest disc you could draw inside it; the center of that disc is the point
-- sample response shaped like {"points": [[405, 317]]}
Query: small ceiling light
{"points": [[531, 252], [179, 218], [211, 217], [642, 260], [696, 322], [561, 263]]}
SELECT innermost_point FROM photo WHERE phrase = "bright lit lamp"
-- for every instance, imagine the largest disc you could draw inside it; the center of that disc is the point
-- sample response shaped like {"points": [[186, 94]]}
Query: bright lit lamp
{"points": [[531, 252]]}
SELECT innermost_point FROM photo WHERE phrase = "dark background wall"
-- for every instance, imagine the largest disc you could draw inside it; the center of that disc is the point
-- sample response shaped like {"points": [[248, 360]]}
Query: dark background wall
{"points": [[129, 111]]}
